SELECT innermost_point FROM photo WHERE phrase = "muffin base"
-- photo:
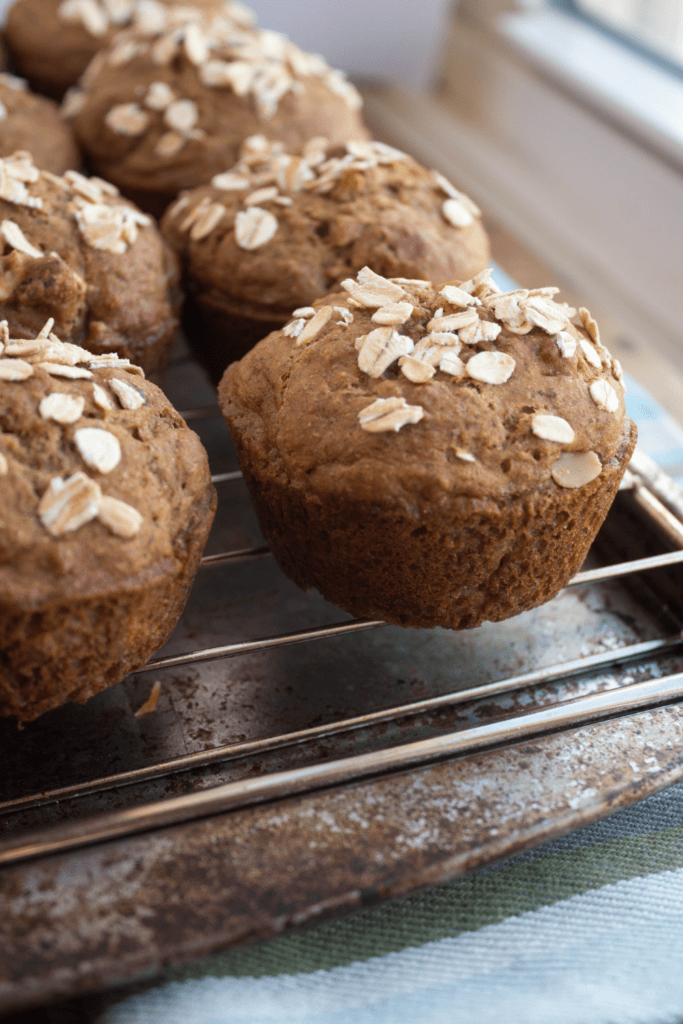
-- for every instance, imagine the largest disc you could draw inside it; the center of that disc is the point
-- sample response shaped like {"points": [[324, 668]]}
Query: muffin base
{"points": [[466, 562], [151, 351], [70, 650], [219, 334]]}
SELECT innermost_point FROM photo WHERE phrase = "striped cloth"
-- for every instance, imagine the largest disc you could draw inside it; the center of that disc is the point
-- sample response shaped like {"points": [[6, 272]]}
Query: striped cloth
{"points": [[584, 930]]}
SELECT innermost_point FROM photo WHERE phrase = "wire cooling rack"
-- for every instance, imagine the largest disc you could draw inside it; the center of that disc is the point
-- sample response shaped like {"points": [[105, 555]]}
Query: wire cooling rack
{"points": [[653, 494]]}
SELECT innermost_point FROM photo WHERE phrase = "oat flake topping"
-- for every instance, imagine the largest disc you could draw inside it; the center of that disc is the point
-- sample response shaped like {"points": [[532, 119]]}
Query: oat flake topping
{"points": [[223, 51], [552, 428], [456, 214], [15, 237], [315, 325], [566, 344], [491, 367], [604, 395], [589, 352], [264, 169], [294, 329], [372, 290], [389, 414], [66, 505], [120, 518], [127, 119], [65, 370], [99, 448], [416, 370], [159, 96], [575, 469], [128, 396], [103, 222], [148, 16], [101, 398], [380, 348], [393, 314], [209, 219], [254, 227], [62, 408], [454, 321], [182, 115], [457, 297], [440, 349], [15, 369], [451, 362]]}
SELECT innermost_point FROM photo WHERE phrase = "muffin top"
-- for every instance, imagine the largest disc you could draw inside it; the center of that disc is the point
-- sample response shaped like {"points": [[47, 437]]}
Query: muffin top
{"points": [[398, 392], [33, 123], [77, 252], [98, 473], [53, 41], [169, 110], [279, 230]]}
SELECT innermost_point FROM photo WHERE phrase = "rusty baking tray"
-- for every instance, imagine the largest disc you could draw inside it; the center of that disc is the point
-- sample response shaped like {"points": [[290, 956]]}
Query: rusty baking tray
{"points": [[300, 763]]}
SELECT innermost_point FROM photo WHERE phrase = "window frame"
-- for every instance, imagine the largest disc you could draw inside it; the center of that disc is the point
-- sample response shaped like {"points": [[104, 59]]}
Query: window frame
{"points": [[643, 48]]}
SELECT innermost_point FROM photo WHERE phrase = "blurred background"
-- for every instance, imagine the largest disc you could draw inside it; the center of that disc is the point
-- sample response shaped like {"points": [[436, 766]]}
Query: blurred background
{"points": [[563, 119], [396, 41]]}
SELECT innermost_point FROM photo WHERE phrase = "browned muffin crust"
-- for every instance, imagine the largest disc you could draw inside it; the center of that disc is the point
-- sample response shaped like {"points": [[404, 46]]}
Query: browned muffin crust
{"points": [[431, 457], [33, 123], [278, 230], [105, 506], [53, 41], [74, 250], [159, 113]]}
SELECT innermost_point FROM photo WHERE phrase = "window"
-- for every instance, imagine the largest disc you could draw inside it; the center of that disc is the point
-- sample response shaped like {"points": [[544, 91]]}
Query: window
{"points": [[655, 26]]}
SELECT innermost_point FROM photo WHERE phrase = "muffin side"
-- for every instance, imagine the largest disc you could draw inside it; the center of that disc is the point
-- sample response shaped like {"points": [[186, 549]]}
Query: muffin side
{"points": [[107, 503]]}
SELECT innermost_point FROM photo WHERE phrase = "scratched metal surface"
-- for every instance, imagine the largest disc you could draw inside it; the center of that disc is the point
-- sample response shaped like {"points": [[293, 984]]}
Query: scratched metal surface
{"points": [[112, 913]]}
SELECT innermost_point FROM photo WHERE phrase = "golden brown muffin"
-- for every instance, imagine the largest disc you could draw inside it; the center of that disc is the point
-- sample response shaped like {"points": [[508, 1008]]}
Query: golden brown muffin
{"points": [[32, 123], [431, 457], [157, 114], [74, 250], [277, 231], [53, 41], [105, 506]]}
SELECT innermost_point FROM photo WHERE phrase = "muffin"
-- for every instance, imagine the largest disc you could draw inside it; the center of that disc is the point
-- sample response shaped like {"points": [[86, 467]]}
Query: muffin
{"points": [[75, 251], [106, 503], [277, 231], [32, 123], [158, 114], [52, 42], [431, 457]]}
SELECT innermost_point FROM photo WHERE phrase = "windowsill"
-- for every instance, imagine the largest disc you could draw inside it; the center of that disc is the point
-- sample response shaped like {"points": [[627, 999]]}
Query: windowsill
{"points": [[642, 98]]}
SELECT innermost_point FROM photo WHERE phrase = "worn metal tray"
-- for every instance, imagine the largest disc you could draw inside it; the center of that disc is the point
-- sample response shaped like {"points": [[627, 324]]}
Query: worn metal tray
{"points": [[299, 763]]}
